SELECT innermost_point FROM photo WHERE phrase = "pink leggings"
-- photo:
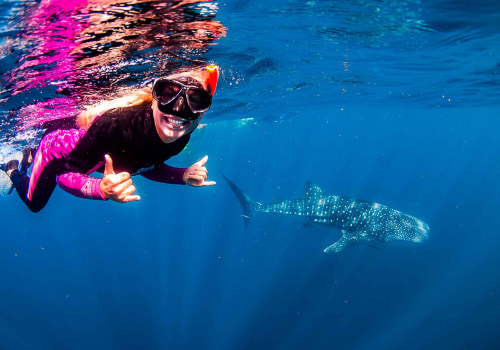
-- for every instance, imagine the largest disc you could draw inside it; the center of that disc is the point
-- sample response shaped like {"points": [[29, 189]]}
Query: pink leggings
{"points": [[49, 159]]}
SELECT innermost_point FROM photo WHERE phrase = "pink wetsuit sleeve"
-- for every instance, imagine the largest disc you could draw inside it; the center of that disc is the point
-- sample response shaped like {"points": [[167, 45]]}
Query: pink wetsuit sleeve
{"points": [[80, 185], [166, 174]]}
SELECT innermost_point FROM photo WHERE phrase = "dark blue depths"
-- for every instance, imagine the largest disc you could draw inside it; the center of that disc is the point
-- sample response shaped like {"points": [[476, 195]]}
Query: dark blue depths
{"points": [[178, 270]]}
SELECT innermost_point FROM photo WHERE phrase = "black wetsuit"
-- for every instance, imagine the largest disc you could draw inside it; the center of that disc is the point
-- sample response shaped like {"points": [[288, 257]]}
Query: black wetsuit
{"points": [[66, 157]]}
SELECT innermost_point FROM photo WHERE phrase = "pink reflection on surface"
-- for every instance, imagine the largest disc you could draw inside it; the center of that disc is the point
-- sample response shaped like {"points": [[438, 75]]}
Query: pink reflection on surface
{"points": [[87, 50], [54, 28]]}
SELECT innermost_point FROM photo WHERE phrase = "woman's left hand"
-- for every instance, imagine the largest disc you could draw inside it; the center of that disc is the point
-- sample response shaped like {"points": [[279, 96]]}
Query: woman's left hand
{"points": [[196, 174]]}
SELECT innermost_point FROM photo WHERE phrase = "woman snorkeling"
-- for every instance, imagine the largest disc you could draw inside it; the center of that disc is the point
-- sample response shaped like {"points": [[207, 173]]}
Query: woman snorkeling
{"points": [[121, 138]]}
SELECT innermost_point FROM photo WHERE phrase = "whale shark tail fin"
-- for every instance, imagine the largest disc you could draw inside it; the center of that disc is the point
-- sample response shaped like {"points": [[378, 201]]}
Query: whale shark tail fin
{"points": [[247, 204]]}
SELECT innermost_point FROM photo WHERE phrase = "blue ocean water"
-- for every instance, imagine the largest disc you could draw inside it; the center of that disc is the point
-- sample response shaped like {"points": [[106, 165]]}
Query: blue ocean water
{"points": [[390, 101]]}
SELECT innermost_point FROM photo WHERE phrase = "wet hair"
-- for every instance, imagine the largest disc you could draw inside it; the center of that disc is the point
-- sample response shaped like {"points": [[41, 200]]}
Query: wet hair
{"points": [[130, 99]]}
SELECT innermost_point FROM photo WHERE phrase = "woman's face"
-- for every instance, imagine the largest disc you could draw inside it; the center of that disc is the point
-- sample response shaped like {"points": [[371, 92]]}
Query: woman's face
{"points": [[169, 124]]}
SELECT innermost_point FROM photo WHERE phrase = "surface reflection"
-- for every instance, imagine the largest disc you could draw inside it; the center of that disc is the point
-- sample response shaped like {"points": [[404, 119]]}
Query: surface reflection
{"points": [[74, 52]]}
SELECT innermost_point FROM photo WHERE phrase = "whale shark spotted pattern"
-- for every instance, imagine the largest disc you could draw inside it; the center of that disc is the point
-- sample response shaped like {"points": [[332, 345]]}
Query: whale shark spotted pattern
{"points": [[360, 221]]}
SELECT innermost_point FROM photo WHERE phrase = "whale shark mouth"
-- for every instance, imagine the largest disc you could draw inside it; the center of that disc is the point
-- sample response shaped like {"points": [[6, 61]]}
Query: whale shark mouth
{"points": [[423, 230]]}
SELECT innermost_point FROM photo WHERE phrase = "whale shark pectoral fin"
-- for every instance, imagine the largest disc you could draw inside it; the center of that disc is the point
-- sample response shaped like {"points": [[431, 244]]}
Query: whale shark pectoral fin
{"points": [[338, 246], [344, 242]]}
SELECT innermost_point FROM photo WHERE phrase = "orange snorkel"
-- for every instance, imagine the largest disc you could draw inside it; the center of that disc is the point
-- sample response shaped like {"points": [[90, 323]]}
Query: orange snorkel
{"points": [[211, 75]]}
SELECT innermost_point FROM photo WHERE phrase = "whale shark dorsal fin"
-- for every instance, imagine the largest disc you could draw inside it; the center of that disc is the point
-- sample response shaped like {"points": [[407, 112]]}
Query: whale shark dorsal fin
{"points": [[312, 191]]}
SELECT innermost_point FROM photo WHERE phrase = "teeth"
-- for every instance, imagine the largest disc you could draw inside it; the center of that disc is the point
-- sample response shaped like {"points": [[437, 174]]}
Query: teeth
{"points": [[176, 122]]}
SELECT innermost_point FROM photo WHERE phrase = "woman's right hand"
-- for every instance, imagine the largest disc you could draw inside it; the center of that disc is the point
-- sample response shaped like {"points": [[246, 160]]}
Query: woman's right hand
{"points": [[117, 187]]}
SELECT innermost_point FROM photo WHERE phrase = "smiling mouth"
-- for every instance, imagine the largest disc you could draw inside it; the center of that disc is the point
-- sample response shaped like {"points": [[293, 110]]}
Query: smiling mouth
{"points": [[176, 123]]}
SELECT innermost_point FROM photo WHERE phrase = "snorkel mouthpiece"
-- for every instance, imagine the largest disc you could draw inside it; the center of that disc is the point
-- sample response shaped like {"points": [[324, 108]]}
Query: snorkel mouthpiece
{"points": [[211, 75]]}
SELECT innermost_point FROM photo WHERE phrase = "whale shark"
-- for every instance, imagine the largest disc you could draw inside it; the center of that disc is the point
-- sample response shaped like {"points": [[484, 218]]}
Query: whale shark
{"points": [[360, 221]]}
